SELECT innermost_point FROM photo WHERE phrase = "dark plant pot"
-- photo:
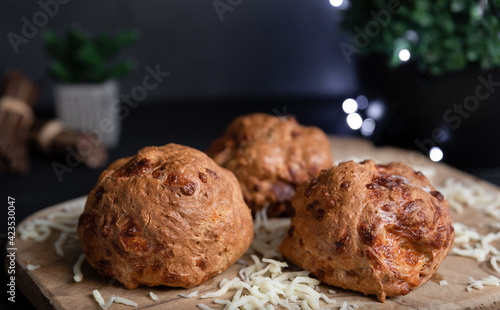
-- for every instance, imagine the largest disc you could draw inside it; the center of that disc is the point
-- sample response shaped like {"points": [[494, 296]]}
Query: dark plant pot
{"points": [[458, 112]]}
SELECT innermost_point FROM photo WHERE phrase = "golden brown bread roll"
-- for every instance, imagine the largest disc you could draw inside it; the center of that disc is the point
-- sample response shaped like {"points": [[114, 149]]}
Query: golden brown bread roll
{"points": [[167, 216], [271, 156], [378, 229]]}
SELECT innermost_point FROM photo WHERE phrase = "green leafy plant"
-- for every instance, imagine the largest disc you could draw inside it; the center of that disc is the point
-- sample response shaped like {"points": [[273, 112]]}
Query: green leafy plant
{"points": [[441, 35], [78, 57]]}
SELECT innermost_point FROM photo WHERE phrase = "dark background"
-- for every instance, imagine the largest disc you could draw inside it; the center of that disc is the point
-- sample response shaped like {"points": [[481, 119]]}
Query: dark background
{"points": [[269, 48], [277, 57]]}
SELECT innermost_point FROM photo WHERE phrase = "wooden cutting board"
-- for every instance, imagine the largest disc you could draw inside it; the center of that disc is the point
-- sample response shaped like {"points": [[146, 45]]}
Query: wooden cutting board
{"points": [[52, 286]]}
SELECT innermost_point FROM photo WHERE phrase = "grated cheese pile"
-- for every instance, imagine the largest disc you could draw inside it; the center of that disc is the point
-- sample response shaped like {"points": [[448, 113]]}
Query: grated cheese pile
{"points": [[267, 235], [468, 242], [265, 285], [479, 284], [65, 221], [466, 193]]}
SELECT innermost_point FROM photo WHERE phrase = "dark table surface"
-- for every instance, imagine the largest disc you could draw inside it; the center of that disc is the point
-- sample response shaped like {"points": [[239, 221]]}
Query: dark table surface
{"points": [[192, 124]]}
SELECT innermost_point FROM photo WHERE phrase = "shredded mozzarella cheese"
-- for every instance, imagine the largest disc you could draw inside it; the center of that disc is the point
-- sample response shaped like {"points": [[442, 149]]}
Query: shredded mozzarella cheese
{"points": [[77, 268], [344, 306], [192, 294], [494, 263], [125, 301], [267, 236], [223, 290], [443, 282], [110, 301], [65, 221], [98, 298], [204, 307], [222, 301], [328, 300], [59, 243], [479, 284], [468, 242], [466, 193], [265, 284], [32, 267], [154, 296]]}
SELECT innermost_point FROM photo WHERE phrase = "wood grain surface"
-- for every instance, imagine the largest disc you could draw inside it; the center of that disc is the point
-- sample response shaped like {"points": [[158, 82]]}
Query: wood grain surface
{"points": [[52, 286]]}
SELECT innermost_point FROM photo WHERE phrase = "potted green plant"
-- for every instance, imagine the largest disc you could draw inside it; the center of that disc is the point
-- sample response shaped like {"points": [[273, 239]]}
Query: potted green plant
{"points": [[435, 64], [436, 36], [87, 92]]}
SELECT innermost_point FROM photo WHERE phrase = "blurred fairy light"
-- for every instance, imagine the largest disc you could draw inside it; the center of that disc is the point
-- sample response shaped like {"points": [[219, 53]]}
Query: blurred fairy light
{"points": [[354, 121], [336, 3], [412, 36], [375, 110], [362, 114], [368, 127], [362, 102], [404, 55], [477, 11], [340, 4], [349, 106], [436, 154]]}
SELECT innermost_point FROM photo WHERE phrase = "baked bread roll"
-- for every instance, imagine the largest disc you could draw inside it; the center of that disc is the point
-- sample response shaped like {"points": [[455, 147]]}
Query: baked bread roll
{"points": [[166, 216], [377, 229], [271, 156]]}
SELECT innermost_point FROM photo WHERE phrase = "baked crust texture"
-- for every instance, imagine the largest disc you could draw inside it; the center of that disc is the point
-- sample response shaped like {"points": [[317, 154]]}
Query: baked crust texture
{"points": [[167, 216], [378, 229], [271, 156]]}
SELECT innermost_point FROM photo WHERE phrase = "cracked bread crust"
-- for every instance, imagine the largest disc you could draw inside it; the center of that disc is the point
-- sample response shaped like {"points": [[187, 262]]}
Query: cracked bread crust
{"points": [[271, 156], [377, 229], [166, 216]]}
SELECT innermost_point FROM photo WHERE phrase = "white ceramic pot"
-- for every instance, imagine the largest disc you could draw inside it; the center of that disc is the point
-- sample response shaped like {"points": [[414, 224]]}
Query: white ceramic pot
{"points": [[91, 108]]}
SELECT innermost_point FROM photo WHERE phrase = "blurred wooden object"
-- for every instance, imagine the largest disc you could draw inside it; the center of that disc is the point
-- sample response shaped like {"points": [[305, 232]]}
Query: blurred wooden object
{"points": [[16, 118], [53, 139]]}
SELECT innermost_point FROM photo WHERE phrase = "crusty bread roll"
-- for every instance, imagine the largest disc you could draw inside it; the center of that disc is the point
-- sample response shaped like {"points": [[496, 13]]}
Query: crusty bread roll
{"points": [[378, 229], [271, 156], [166, 216]]}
